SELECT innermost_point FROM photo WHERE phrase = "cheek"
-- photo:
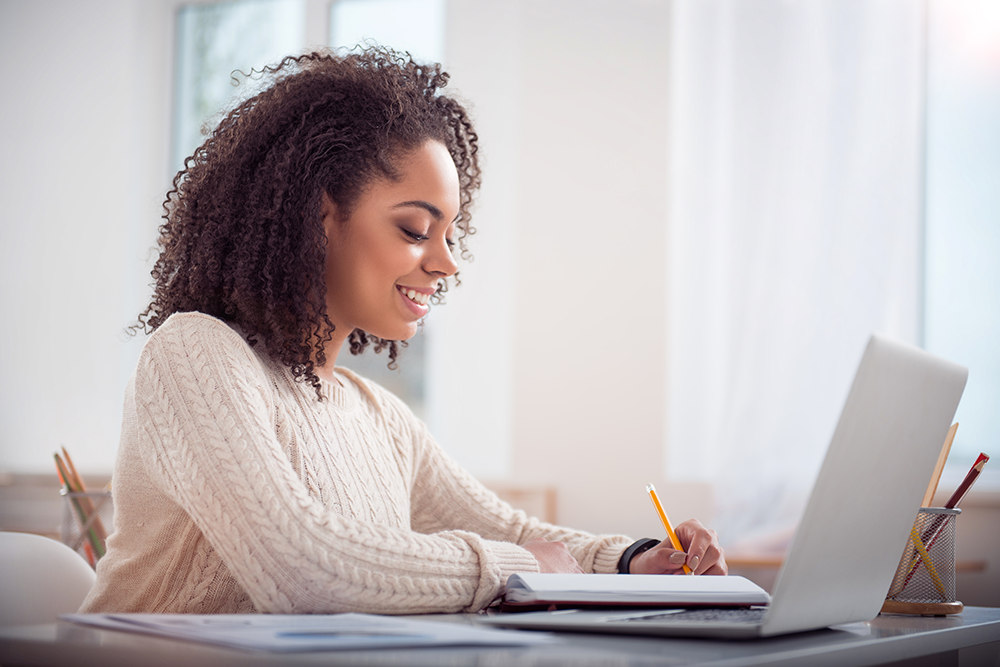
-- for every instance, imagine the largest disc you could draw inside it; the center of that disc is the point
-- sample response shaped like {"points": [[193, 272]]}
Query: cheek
{"points": [[338, 269], [370, 262], [392, 263]]}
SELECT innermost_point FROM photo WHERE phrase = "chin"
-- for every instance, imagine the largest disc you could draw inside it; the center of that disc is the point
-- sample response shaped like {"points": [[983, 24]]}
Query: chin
{"points": [[405, 332], [409, 333]]}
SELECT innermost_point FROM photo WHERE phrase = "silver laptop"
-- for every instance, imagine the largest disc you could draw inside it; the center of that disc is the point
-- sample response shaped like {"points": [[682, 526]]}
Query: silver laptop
{"points": [[855, 526]]}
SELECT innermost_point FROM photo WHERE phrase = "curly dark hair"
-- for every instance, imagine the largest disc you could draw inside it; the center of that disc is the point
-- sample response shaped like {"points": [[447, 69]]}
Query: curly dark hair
{"points": [[243, 238]]}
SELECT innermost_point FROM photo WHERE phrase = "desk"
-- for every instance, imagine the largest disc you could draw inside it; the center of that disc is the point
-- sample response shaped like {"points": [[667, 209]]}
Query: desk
{"points": [[883, 640]]}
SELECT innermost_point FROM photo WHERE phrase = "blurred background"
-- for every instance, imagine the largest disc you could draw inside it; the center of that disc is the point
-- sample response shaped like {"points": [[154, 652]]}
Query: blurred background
{"points": [[694, 214]]}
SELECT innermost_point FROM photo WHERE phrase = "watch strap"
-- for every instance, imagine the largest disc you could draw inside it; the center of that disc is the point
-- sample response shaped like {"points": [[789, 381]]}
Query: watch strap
{"points": [[634, 549]]}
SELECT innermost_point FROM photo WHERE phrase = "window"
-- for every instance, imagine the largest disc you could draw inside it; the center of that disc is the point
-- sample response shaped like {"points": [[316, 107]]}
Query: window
{"points": [[962, 314], [416, 26], [215, 43]]}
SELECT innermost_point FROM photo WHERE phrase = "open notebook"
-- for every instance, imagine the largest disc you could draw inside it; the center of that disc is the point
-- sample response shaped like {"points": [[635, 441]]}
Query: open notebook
{"points": [[846, 549], [535, 590]]}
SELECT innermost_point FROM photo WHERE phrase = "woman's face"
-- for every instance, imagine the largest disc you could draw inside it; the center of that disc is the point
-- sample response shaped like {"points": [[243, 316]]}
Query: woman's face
{"points": [[384, 261]]}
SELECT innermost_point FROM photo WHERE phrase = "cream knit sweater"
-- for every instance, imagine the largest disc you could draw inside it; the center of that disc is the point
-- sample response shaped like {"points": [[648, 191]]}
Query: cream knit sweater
{"points": [[236, 490]]}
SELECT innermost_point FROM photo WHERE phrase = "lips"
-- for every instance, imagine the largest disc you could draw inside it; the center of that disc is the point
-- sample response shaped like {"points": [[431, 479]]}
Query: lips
{"points": [[418, 297]]}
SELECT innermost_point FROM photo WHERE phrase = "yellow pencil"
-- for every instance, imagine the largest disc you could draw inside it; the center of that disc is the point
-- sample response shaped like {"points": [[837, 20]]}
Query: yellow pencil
{"points": [[666, 523]]}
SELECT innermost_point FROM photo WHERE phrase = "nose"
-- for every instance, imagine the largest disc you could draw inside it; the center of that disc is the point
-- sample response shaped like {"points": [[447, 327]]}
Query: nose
{"points": [[439, 261]]}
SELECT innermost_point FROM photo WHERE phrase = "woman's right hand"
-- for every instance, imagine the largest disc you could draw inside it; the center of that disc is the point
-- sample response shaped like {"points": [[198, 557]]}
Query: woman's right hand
{"points": [[703, 553], [552, 556]]}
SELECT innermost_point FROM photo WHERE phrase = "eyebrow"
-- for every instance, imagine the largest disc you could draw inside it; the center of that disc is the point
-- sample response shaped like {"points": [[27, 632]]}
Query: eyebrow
{"points": [[427, 206], [435, 212]]}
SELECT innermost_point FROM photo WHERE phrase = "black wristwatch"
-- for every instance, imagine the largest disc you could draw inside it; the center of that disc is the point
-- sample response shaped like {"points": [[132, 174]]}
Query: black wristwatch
{"points": [[636, 548]]}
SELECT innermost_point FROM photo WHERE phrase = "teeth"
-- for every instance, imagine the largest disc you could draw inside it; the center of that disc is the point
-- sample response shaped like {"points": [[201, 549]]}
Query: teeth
{"points": [[418, 297]]}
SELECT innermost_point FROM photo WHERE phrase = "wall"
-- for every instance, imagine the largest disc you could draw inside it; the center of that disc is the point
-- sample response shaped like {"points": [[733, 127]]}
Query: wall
{"points": [[84, 170]]}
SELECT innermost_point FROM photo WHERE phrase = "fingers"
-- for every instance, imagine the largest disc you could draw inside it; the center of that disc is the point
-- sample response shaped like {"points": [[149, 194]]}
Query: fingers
{"points": [[661, 559], [704, 555], [719, 568], [712, 561]]}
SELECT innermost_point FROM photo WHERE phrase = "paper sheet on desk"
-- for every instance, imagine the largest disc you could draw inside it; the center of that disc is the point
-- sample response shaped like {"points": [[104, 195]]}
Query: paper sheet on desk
{"points": [[290, 633]]}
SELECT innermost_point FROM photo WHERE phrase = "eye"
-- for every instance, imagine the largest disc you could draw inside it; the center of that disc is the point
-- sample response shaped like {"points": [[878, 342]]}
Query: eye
{"points": [[414, 235], [451, 243]]}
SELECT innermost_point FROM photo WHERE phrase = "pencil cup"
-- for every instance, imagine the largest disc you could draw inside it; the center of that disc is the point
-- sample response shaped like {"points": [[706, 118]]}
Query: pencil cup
{"points": [[87, 518], [925, 579]]}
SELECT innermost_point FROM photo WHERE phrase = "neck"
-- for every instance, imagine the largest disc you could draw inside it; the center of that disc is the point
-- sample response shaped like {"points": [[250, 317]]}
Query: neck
{"points": [[332, 349]]}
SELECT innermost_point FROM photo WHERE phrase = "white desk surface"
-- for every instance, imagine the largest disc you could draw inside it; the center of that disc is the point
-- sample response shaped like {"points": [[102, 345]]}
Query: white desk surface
{"points": [[883, 640]]}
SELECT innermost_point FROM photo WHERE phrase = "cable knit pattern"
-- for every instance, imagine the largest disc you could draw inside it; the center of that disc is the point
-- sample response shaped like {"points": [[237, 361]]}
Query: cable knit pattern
{"points": [[236, 490]]}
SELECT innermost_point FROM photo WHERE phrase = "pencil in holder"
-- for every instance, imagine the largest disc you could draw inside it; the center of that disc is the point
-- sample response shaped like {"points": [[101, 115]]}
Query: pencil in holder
{"points": [[925, 579], [85, 522]]}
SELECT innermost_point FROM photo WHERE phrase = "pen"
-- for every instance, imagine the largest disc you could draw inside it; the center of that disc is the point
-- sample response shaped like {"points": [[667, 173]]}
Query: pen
{"points": [[956, 498], [666, 523], [967, 483]]}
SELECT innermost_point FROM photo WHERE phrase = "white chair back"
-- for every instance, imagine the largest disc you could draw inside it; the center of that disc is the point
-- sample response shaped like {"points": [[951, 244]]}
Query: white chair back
{"points": [[40, 578]]}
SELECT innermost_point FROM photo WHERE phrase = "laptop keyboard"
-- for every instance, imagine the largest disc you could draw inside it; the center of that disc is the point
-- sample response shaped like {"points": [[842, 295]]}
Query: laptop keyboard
{"points": [[752, 615]]}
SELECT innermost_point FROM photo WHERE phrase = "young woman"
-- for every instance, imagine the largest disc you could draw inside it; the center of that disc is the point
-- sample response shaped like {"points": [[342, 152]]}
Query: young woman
{"points": [[254, 475]]}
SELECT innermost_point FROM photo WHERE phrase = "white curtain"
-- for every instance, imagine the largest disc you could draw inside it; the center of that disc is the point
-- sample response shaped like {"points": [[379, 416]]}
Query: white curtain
{"points": [[795, 231]]}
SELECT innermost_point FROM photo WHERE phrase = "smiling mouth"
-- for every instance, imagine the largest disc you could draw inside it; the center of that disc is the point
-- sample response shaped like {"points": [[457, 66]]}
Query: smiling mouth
{"points": [[416, 297]]}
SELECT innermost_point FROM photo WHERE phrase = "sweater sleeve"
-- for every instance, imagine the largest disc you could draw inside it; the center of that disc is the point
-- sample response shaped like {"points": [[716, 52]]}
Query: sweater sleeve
{"points": [[207, 440], [444, 497]]}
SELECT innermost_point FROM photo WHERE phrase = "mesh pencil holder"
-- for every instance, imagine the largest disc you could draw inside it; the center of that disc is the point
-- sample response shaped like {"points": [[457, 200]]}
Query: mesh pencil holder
{"points": [[86, 522], [925, 579]]}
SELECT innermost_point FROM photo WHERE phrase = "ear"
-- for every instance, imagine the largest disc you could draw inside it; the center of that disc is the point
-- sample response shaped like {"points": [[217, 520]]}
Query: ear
{"points": [[328, 211]]}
